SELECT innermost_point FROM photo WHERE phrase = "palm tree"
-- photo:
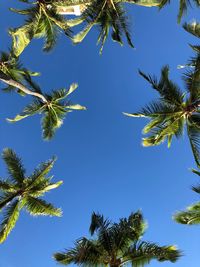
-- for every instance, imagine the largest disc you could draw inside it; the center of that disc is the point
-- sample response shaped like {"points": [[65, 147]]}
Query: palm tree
{"points": [[174, 109], [23, 192], [116, 244], [183, 6], [54, 109], [42, 21], [192, 214], [45, 18]]}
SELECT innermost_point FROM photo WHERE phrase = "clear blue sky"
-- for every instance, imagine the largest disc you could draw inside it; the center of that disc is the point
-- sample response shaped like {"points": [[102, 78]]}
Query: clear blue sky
{"points": [[100, 157]]}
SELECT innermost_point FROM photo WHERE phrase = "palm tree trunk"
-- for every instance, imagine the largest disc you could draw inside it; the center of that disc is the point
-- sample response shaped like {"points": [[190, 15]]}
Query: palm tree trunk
{"points": [[21, 87]]}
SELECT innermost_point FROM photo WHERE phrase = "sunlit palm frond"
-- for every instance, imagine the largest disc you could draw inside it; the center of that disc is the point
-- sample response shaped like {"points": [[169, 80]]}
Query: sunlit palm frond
{"points": [[42, 22], [11, 214], [36, 206], [141, 253], [190, 216]]}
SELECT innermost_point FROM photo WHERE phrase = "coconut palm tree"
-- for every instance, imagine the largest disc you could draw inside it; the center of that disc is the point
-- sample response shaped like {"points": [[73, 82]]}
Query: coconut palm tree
{"points": [[42, 22], [45, 18], [183, 6], [174, 109], [23, 192], [116, 244], [192, 214], [53, 108]]}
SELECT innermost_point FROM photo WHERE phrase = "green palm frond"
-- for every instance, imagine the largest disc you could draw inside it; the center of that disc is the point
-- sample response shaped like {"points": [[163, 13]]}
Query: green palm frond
{"points": [[192, 78], [42, 22], [85, 252], [53, 111], [190, 216], [36, 206], [141, 253], [11, 215], [167, 89], [107, 16], [41, 171], [14, 166], [183, 7], [193, 134], [193, 28]]}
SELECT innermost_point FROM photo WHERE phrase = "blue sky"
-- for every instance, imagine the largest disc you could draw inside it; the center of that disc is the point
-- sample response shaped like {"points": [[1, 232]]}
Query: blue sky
{"points": [[100, 157]]}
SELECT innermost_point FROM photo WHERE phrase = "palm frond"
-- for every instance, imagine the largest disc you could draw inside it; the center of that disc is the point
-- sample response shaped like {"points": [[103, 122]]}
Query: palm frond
{"points": [[193, 135], [36, 206], [14, 165], [142, 253], [168, 90], [11, 215], [85, 252], [193, 28], [190, 216]]}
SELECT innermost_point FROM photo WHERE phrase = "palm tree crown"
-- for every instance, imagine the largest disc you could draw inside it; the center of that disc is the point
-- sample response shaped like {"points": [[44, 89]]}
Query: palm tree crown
{"points": [[23, 192], [54, 109], [174, 109], [42, 21], [107, 15], [192, 214], [116, 244]]}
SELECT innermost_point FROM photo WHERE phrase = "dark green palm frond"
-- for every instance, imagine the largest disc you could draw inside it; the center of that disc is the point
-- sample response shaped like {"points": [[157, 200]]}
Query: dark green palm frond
{"points": [[192, 79], [190, 216], [11, 215], [11, 67], [167, 89], [7, 186], [14, 165], [183, 6], [107, 16], [85, 252], [40, 172], [128, 230], [197, 187], [36, 206], [97, 222], [193, 28], [193, 135], [142, 253]]}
